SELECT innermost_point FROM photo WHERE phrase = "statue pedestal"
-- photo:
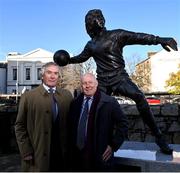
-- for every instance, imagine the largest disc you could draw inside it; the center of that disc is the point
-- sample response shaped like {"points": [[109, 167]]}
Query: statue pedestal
{"points": [[146, 157]]}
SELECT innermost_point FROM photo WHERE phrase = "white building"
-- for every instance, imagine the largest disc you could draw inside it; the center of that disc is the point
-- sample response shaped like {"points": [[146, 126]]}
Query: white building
{"points": [[23, 70], [161, 65], [3, 71]]}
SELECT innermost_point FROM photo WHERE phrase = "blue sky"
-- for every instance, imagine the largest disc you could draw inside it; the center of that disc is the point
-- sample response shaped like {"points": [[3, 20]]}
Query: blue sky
{"points": [[26, 25]]}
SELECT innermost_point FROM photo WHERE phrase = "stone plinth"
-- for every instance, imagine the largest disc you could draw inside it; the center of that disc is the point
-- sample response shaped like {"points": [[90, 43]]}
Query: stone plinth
{"points": [[148, 157]]}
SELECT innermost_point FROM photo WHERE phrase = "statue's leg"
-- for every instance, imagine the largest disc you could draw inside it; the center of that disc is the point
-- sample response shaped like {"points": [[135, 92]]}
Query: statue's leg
{"points": [[129, 89]]}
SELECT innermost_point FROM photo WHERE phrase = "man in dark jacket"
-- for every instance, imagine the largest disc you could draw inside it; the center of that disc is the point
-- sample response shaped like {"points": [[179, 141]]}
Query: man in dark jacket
{"points": [[106, 47], [104, 131]]}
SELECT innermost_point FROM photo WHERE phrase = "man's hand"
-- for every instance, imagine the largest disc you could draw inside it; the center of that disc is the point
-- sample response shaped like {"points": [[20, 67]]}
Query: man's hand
{"points": [[168, 42], [107, 154], [28, 157]]}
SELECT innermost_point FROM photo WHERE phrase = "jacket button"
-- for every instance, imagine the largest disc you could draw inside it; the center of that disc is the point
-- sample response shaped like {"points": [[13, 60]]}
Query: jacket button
{"points": [[44, 154], [47, 111], [46, 132]]}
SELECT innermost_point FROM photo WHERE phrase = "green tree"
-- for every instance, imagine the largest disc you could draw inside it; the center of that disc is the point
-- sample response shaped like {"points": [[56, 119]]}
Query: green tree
{"points": [[173, 83]]}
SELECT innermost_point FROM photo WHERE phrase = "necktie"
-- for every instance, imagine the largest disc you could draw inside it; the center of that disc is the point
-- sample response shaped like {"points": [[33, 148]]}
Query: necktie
{"points": [[53, 104], [81, 133]]}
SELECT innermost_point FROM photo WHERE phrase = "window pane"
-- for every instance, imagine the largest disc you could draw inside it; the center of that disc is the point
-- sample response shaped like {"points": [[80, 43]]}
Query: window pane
{"points": [[14, 74], [28, 74], [38, 73]]}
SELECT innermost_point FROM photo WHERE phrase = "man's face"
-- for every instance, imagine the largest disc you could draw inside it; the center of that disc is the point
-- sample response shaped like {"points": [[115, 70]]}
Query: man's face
{"points": [[89, 85], [50, 76]]}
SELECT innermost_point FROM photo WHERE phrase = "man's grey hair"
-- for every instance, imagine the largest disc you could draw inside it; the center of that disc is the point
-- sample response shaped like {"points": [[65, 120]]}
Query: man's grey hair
{"points": [[45, 66], [89, 74]]}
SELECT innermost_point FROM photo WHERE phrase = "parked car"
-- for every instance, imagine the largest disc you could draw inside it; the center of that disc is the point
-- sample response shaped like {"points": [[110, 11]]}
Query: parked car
{"points": [[153, 100], [122, 100], [176, 100]]}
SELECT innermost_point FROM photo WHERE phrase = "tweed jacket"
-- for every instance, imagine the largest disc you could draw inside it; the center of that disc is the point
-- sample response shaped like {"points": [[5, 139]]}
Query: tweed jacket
{"points": [[34, 122]]}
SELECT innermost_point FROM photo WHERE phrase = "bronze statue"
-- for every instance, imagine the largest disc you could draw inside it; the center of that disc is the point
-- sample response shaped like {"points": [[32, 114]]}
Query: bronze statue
{"points": [[106, 47]]}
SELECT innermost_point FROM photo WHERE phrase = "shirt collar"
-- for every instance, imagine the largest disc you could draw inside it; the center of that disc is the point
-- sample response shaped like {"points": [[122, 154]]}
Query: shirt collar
{"points": [[47, 88], [85, 97]]}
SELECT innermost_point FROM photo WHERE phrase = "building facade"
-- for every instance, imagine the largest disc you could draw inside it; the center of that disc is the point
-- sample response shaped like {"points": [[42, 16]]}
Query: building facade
{"points": [[21, 72], [3, 77], [156, 69]]}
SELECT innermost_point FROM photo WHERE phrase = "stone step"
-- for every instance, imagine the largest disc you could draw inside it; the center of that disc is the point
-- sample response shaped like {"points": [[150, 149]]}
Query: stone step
{"points": [[147, 157]]}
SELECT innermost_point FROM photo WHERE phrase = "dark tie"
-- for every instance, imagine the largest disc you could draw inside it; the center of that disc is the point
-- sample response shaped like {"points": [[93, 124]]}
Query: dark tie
{"points": [[53, 103], [81, 133]]}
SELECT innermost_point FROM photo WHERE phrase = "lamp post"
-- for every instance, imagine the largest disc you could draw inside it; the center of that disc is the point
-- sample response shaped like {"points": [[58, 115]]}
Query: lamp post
{"points": [[17, 64]]}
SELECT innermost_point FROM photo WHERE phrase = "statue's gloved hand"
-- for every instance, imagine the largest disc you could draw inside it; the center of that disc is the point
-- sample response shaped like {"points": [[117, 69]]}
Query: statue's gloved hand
{"points": [[167, 42]]}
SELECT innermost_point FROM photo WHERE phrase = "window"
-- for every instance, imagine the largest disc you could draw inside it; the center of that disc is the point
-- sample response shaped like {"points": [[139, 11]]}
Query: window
{"points": [[15, 74], [38, 73], [28, 77]]}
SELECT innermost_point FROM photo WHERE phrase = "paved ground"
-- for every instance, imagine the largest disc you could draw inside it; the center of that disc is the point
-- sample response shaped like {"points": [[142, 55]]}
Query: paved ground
{"points": [[10, 162]]}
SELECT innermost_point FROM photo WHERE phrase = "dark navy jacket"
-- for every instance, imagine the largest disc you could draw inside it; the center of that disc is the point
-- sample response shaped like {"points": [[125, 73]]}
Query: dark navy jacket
{"points": [[110, 125]]}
